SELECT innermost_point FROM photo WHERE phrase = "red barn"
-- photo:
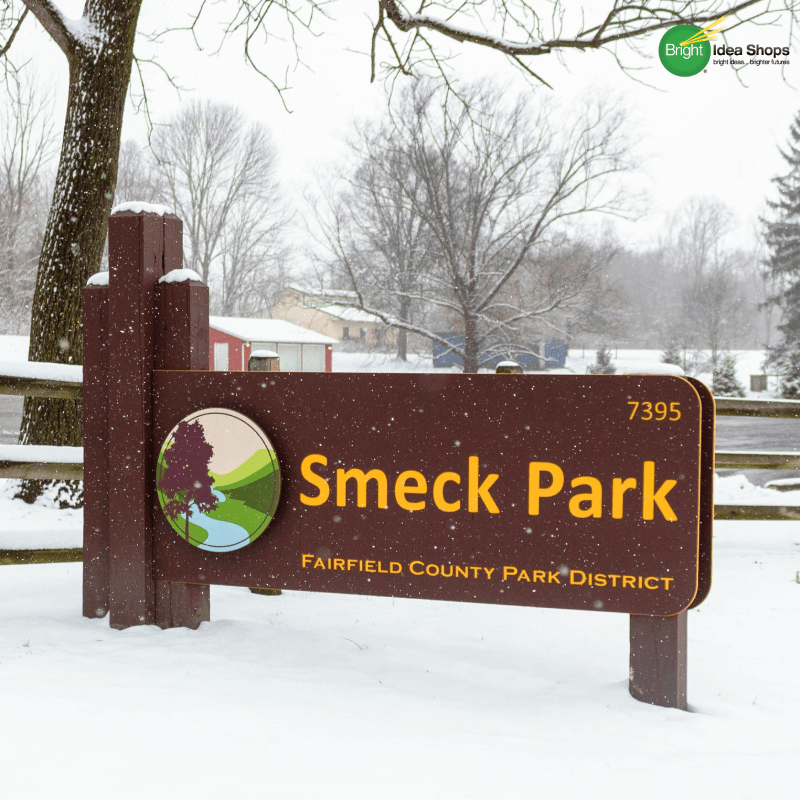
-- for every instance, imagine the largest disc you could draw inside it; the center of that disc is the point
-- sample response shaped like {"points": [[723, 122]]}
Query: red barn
{"points": [[232, 339]]}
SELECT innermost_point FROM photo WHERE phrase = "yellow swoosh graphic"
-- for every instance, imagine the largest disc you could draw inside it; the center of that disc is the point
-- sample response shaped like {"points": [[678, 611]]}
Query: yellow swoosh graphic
{"points": [[706, 34]]}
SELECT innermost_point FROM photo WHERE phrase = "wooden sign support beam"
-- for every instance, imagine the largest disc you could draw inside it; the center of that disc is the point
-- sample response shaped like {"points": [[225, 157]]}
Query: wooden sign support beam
{"points": [[181, 343], [125, 340], [135, 255], [658, 660], [96, 563]]}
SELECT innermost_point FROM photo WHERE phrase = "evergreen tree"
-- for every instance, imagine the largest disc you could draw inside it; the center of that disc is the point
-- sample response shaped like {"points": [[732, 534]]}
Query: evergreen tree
{"points": [[789, 370], [672, 354], [725, 382], [783, 240], [602, 365]]}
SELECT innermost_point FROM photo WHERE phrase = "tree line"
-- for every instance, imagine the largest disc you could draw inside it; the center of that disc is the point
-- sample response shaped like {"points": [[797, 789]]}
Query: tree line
{"points": [[208, 164], [461, 217]]}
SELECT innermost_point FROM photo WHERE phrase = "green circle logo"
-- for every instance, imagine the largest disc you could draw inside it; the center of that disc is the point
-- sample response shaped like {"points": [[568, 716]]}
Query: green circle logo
{"points": [[682, 59], [218, 480]]}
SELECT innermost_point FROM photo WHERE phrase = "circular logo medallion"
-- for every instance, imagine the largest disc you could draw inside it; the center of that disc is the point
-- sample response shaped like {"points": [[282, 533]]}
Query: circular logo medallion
{"points": [[681, 57], [218, 480]]}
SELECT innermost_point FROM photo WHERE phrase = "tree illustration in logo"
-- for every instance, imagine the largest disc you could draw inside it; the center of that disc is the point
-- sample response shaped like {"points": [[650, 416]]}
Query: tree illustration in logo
{"points": [[218, 480], [185, 479]]}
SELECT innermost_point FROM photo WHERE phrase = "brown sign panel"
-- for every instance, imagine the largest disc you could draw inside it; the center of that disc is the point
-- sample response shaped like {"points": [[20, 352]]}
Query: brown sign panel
{"points": [[556, 491]]}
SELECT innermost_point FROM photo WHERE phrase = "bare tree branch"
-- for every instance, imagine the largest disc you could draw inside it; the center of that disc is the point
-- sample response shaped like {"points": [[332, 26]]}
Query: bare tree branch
{"points": [[517, 29], [54, 22], [4, 49], [623, 21]]}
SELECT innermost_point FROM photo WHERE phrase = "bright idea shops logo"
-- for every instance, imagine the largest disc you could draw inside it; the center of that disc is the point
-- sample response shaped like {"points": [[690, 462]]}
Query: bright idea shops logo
{"points": [[685, 50]]}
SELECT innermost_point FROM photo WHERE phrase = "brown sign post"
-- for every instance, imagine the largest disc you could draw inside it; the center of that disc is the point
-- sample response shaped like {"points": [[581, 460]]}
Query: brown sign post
{"points": [[133, 325], [581, 492]]}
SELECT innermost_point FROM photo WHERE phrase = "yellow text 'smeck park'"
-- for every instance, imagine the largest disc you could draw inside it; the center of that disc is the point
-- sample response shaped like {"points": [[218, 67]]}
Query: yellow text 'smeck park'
{"points": [[451, 492]]}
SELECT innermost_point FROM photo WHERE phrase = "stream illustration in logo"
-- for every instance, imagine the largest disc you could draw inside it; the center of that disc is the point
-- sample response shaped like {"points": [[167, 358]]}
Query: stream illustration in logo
{"points": [[218, 480]]}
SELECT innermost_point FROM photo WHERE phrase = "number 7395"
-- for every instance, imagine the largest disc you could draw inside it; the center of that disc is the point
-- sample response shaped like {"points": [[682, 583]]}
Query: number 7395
{"points": [[657, 411]]}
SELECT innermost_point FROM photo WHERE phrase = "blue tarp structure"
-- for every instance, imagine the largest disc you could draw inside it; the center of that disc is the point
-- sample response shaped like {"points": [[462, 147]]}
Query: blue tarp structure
{"points": [[445, 357], [557, 351]]}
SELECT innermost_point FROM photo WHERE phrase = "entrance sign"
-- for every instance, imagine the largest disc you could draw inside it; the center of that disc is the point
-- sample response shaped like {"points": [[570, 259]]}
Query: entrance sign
{"points": [[218, 480], [564, 491], [537, 490]]}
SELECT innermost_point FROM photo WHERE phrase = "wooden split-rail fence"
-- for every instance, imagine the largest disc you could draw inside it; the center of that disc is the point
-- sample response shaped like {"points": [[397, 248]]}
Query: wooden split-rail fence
{"points": [[30, 461]]}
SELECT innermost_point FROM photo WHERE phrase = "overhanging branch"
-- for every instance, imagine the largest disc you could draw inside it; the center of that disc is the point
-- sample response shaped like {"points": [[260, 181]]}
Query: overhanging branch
{"points": [[54, 22], [10, 41], [624, 21]]}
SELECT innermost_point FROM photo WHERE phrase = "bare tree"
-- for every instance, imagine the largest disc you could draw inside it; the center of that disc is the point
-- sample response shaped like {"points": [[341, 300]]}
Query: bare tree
{"points": [[716, 311], [27, 143], [717, 304], [599, 310], [372, 221], [766, 287], [218, 175], [99, 51], [699, 236], [494, 183], [253, 265], [137, 177]]}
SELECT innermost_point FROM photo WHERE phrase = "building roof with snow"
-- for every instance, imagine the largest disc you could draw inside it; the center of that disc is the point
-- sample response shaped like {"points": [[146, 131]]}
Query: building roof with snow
{"points": [[349, 314], [344, 294], [268, 330]]}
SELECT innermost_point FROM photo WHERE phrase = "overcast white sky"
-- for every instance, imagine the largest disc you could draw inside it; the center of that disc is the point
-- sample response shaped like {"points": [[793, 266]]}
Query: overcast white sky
{"points": [[705, 135]]}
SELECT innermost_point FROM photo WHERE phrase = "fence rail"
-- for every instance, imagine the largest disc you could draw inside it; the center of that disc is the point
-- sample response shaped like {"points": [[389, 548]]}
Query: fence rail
{"points": [[42, 471], [742, 407], [727, 459], [757, 512], [41, 462], [40, 387], [35, 379]]}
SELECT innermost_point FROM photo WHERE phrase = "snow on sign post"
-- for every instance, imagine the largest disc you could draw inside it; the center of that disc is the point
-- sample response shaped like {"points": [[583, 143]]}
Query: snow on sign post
{"points": [[576, 492]]}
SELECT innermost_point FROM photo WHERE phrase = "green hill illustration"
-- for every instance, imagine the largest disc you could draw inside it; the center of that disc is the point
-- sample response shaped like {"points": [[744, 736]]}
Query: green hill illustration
{"points": [[261, 463], [251, 491]]}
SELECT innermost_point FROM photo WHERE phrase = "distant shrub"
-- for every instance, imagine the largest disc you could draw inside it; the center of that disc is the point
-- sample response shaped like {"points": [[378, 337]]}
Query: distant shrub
{"points": [[672, 355], [725, 382], [789, 371], [602, 364]]}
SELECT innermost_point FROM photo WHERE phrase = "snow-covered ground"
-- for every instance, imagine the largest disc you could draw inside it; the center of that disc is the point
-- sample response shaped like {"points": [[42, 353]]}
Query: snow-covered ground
{"points": [[42, 525], [380, 362], [313, 695], [748, 362], [14, 348]]}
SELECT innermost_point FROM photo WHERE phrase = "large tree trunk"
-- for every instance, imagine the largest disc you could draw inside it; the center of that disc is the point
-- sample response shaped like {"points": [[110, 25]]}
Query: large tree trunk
{"points": [[471, 354], [402, 344], [402, 334], [100, 61]]}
